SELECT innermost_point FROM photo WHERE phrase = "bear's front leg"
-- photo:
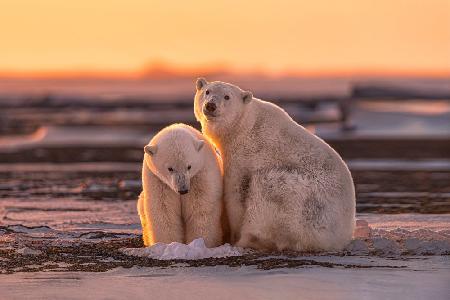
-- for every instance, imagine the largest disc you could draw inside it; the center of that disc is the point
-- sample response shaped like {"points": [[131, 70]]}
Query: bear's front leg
{"points": [[202, 225], [165, 222], [146, 231], [202, 219]]}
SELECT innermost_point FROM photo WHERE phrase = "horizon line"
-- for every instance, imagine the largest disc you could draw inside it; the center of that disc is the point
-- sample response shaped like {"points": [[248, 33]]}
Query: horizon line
{"points": [[168, 72]]}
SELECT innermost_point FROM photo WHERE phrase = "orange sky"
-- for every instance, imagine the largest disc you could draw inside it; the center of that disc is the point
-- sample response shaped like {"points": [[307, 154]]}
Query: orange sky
{"points": [[274, 36]]}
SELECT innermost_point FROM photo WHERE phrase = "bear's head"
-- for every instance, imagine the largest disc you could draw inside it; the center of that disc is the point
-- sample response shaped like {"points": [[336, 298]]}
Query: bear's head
{"points": [[175, 155], [219, 103]]}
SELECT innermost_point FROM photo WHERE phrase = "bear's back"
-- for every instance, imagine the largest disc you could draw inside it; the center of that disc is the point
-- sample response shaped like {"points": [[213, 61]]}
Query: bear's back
{"points": [[180, 129]]}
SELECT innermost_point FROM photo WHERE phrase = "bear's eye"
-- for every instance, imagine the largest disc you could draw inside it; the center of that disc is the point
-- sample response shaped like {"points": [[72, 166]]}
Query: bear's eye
{"points": [[227, 97], [170, 169], [189, 167], [207, 92]]}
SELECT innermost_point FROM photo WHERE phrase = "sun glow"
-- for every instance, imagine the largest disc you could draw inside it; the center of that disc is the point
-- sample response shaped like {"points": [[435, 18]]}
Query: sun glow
{"points": [[307, 37]]}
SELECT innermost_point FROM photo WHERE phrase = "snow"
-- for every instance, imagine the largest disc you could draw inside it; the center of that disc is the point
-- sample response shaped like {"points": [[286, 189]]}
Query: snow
{"points": [[367, 241], [388, 240], [194, 250]]}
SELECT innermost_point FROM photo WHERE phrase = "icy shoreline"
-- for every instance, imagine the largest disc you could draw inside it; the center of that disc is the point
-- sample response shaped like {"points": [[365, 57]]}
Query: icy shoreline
{"points": [[93, 260]]}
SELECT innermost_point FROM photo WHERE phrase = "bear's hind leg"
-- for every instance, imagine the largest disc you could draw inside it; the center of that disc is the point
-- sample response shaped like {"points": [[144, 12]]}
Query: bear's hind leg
{"points": [[272, 219]]}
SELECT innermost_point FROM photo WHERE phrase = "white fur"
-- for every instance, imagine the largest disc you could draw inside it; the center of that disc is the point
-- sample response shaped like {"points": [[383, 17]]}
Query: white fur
{"points": [[166, 215], [284, 188]]}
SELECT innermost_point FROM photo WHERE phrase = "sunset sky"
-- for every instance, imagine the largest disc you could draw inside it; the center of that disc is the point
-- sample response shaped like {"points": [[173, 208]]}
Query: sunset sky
{"points": [[273, 36]]}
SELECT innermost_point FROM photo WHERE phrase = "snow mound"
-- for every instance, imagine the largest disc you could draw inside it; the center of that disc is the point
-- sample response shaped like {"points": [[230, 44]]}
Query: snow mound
{"points": [[398, 241], [194, 250]]}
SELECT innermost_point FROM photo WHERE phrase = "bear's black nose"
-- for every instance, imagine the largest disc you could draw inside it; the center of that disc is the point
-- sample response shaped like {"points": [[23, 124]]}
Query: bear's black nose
{"points": [[182, 192], [210, 106]]}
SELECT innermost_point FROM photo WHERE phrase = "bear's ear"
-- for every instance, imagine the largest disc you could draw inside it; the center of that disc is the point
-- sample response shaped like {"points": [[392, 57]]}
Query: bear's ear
{"points": [[150, 149], [201, 82], [247, 96], [199, 144]]}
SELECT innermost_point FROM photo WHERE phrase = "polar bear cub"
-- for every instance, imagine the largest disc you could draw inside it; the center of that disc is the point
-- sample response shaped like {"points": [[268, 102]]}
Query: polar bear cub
{"points": [[182, 188], [284, 188]]}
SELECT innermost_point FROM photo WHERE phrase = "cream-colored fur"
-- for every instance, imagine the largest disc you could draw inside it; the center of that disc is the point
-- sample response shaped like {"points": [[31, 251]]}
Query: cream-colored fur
{"points": [[284, 188], [180, 159]]}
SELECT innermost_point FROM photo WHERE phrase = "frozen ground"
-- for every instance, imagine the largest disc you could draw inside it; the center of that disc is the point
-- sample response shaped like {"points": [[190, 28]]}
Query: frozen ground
{"points": [[72, 247], [63, 228], [76, 218], [418, 278]]}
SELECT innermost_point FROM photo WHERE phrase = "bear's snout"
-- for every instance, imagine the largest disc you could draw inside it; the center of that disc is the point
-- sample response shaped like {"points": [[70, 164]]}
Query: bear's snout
{"points": [[182, 192], [210, 107], [180, 183]]}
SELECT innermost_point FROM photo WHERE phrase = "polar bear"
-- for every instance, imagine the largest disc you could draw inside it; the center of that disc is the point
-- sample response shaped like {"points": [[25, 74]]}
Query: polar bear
{"points": [[182, 188], [284, 188]]}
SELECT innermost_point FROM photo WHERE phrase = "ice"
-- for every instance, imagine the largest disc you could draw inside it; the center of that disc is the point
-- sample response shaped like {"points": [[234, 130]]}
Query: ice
{"points": [[358, 247], [385, 246], [30, 229], [425, 278], [362, 229], [420, 247], [194, 250], [28, 251], [361, 223]]}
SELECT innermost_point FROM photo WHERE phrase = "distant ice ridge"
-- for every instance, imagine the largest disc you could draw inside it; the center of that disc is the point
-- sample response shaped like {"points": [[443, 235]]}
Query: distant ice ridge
{"points": [[194, 250]]}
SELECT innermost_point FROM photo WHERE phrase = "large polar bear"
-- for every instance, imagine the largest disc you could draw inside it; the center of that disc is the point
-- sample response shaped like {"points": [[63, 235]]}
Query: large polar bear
{"points": [[182, 188], [284, 188]]}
